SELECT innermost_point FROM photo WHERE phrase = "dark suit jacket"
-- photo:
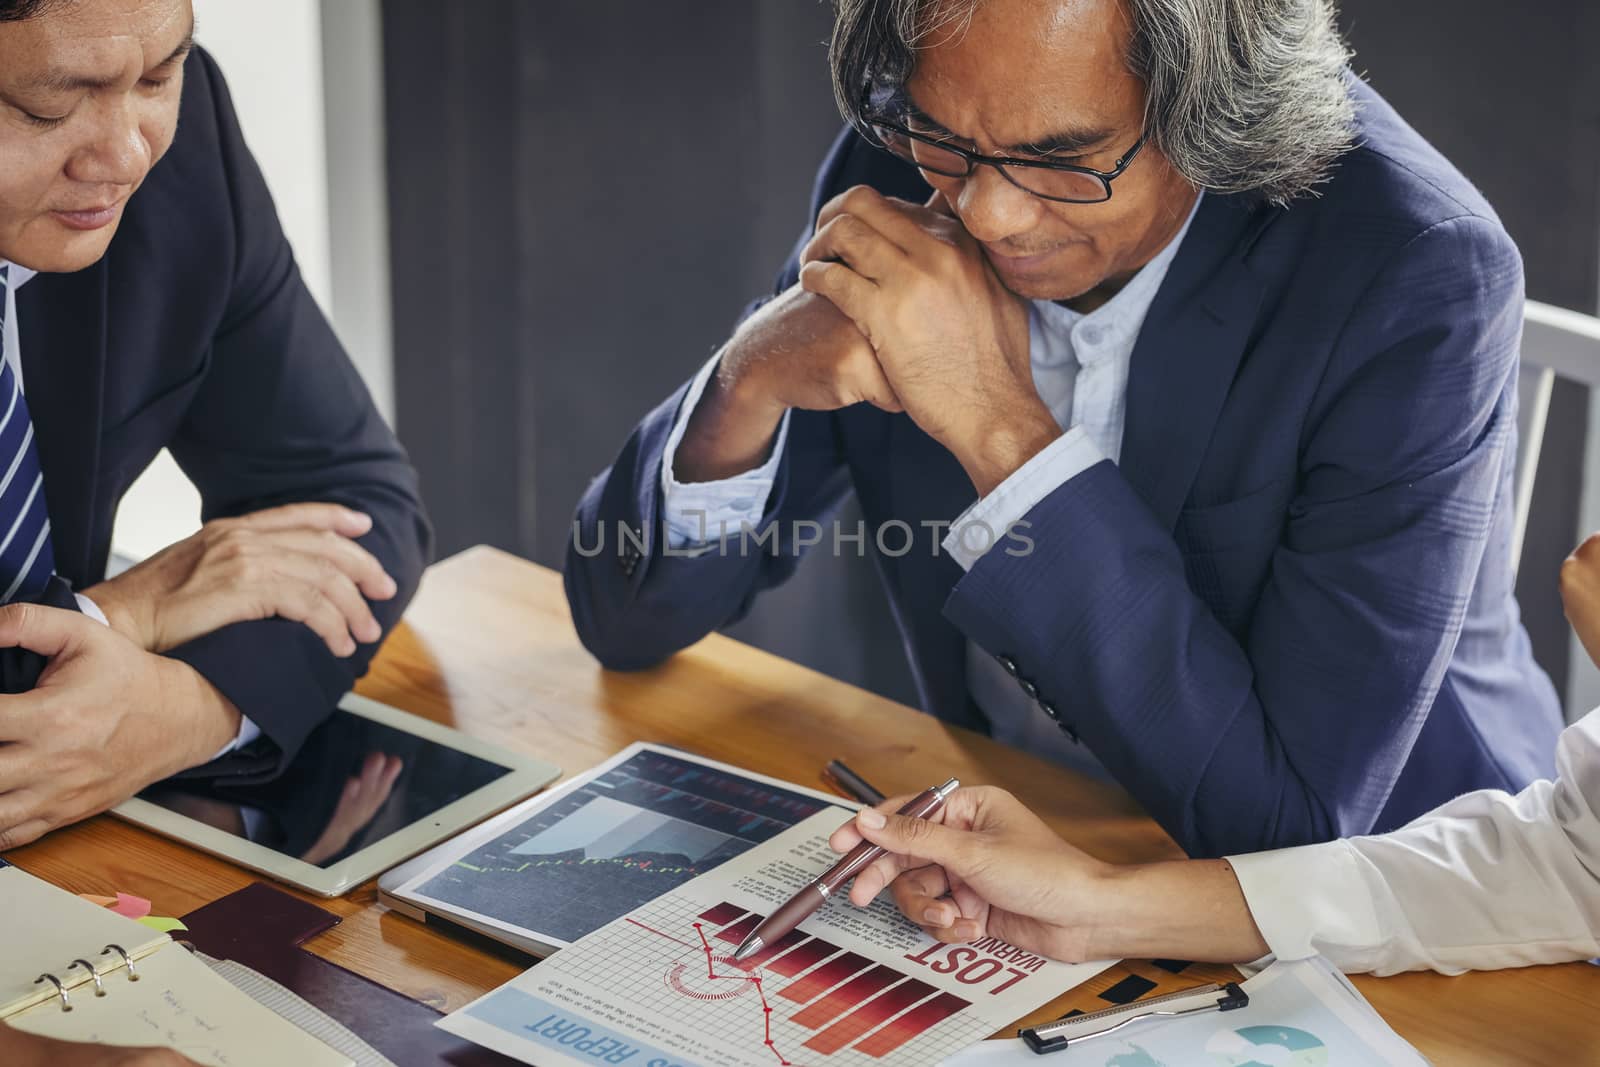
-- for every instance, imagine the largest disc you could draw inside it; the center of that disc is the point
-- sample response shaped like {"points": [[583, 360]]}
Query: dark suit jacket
{"points": [[196, 333], [1287, 614]]}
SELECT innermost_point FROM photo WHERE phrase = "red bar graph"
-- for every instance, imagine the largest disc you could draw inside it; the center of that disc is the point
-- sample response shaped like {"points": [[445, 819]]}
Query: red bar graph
{"points": [[869, 1015], [739, 930], [807, 953], [722, 914], [912, 1024], [827, 976], [827, 1008], [777, 948]]}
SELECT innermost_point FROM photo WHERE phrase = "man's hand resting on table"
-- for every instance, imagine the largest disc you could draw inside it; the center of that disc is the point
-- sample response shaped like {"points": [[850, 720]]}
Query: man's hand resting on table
{"points": [[298, 562], [106, 719]]}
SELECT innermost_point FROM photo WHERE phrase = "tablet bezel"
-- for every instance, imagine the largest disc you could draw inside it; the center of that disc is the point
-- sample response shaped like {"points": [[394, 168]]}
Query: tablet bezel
{"points": [[399, 888], [526, 776]]}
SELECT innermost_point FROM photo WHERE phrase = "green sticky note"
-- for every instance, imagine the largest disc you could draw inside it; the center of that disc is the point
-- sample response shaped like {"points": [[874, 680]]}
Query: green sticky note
{"points": [[162, 923]]}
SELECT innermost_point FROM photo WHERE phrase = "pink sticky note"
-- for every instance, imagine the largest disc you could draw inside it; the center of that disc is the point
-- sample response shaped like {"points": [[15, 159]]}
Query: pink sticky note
{"points": [[104, 902], [131, 906]]}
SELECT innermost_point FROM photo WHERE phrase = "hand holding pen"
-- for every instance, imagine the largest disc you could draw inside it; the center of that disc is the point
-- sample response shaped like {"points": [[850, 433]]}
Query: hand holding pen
{"points": [[817, 892]]}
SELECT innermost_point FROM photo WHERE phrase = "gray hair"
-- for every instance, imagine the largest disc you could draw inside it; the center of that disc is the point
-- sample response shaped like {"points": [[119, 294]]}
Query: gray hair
{"points": [[1242, 96]]}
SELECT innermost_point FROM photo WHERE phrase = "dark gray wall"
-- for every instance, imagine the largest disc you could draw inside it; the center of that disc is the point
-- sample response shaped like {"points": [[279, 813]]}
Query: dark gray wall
{"points": [[584, 193]]}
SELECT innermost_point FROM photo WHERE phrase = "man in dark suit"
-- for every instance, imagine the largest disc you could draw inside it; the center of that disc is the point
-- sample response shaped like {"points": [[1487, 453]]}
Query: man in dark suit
{"points": [[1211, 362], [151, 301]]}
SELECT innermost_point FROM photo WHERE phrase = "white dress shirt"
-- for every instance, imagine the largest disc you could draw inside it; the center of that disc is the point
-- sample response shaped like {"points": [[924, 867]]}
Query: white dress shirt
{"points": [[1080, 366], [1488, 880], [19, 276]]}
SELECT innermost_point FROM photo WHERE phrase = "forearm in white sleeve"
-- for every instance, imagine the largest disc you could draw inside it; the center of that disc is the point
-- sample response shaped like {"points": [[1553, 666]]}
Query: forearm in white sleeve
{"points": [[701, 513], [1488, 880]]}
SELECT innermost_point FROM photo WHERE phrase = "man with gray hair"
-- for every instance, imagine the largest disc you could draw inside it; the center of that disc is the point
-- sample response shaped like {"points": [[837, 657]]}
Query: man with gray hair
{"points": [[1202, 363]]}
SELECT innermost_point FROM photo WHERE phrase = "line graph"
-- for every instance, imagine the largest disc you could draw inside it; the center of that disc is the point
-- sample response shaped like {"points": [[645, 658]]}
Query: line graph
{"points": [[831, 1000], [766, 1009]]}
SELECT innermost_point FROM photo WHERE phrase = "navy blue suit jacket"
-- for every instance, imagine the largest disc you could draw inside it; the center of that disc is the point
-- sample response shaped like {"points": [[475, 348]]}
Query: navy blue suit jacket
{"points": [[1286, 615], [195, 332]]}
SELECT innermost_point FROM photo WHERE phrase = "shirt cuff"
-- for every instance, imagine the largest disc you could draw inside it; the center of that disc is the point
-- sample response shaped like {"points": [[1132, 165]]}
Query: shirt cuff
{"points": [[91, 609], [988, 521], [700, 513], [248, 731], [1311, 900]]}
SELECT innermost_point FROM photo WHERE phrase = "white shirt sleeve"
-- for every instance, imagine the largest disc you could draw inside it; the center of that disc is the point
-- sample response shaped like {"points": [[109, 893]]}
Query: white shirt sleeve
{"points": [[248, 731], [1488, 880], [701, 513], [985, 523]]}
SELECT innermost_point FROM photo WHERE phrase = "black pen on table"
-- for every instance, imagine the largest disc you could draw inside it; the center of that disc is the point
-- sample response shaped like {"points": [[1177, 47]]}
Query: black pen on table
{"points": [[816, 892], [852, 783]]}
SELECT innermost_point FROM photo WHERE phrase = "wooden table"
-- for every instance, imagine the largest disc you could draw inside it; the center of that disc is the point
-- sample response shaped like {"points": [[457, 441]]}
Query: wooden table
{"points": [[488, 647]]}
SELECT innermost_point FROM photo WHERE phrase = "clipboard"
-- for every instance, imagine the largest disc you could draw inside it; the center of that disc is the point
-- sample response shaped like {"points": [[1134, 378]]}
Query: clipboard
{"points": [[1053, 1037]]}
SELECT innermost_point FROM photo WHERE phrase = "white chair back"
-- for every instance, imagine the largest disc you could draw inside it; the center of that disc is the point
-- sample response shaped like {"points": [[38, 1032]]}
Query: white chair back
{"points": [[1557, 343]]}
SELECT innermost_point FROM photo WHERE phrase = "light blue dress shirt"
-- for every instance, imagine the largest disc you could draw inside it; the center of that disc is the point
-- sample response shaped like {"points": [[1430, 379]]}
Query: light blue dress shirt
{"points": [[1080, 369]]}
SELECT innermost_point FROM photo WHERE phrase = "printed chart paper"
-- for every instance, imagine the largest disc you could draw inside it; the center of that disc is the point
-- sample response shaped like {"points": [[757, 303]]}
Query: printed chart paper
{"points": [[658, 987]]}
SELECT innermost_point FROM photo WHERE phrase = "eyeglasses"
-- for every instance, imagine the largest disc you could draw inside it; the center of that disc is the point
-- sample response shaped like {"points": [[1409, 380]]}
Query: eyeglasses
{"points": [[1065, 183]]}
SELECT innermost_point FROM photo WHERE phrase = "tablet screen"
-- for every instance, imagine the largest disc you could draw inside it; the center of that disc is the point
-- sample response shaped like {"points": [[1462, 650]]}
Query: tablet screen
{"points": [[624, 837], [355, 782]]}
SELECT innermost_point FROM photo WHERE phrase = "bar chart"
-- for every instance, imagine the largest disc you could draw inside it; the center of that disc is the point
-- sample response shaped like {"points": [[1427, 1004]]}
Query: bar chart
{"points": [[800, 1000]]}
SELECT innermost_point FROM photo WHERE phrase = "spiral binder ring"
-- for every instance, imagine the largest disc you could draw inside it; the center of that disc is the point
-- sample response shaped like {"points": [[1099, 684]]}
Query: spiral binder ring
{"points": [[133, 975], [99, 990], [66, 1003]]}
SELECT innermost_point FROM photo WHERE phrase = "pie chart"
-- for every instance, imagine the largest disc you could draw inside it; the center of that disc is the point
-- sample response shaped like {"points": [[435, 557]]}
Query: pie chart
{"points": [[1267, 1046]]}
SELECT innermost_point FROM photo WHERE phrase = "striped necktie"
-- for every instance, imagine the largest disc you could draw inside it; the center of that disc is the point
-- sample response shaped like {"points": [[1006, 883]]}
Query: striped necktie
{"points": [[26, 561]]}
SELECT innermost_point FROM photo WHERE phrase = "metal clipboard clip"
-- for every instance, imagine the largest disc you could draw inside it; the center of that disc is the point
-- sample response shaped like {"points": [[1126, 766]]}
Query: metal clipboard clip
{"points": [[1053, 1037]]}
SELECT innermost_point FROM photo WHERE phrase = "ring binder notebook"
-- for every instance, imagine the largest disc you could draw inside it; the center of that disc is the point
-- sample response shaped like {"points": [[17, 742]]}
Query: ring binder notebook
{"points": [[93, 975], [139, 987]]}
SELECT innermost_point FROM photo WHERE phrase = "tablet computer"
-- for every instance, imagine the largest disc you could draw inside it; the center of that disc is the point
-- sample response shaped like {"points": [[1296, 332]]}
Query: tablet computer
{"points": [[372, 786], [541, 875]]}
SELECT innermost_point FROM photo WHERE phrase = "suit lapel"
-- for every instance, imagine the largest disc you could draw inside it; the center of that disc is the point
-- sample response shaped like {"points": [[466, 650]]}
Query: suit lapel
{"points": [[62, 322], [1188, 351]]}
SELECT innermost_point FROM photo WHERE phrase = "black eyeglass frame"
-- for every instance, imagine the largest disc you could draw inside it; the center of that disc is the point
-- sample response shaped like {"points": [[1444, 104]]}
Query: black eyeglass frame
{"points": [[1002, 163]]}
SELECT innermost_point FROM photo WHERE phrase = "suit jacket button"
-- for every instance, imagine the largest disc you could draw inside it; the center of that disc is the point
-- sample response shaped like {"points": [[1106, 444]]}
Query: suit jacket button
{"points": [[1049, 709], [1029, 688], [1008, 663]]}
